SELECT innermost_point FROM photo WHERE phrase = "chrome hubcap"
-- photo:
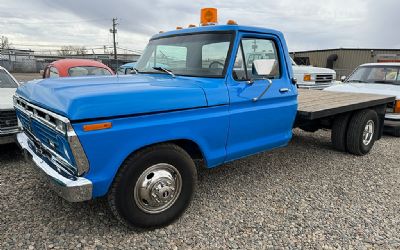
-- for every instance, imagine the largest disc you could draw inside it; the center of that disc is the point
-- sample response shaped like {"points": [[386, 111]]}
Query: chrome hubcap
{"points": [[158, 188], [368, 133]]}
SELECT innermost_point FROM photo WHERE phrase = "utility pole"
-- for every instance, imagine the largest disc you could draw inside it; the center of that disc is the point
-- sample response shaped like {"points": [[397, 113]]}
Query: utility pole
{"points": [[114, 31]]}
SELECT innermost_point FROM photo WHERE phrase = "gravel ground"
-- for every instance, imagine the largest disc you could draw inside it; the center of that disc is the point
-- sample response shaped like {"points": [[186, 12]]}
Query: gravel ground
{"points": [[302, 196], [24, 77]]}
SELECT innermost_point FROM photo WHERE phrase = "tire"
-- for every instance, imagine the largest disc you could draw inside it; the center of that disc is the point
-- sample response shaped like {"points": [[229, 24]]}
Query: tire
{"points": [[396, 132], [355, 134], [138, 207], [339, 132]]}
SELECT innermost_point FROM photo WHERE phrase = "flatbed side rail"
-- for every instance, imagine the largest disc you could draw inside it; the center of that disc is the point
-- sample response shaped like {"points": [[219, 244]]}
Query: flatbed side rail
{"points": [[317, 104]]}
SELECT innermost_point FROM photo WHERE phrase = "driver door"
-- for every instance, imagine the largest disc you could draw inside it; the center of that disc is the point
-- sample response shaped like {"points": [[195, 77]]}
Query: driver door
{"points": [[264, 123]]}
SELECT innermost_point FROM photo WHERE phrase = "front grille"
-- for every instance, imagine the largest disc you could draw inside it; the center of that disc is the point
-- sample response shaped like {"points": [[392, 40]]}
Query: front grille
{"points": [[8, 120], [323, 78], [54, 142]]}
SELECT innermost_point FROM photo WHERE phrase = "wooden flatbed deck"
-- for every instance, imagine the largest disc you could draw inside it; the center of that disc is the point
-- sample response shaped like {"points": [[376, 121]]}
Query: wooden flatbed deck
{"points": [[316, 104]]}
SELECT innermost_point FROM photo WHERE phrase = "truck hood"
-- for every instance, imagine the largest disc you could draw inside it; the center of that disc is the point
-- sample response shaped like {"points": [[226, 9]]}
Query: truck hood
{"points": [[312, 70], [368, 88], [81, 98], [6, 98]]}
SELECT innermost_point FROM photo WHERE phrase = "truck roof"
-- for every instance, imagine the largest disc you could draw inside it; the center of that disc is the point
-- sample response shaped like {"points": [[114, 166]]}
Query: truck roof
{"points": [[210, 28]]}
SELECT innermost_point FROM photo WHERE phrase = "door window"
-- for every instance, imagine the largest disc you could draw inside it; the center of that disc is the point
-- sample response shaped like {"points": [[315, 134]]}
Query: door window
{"points": [[252, 54]]}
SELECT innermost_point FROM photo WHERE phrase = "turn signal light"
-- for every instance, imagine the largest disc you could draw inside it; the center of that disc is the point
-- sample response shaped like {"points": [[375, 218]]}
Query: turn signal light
{"points": [[397, 107], [97, 126], [307, 78]]}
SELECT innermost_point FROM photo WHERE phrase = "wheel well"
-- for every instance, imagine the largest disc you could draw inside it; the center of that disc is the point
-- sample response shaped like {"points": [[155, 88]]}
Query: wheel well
{"points": [[190, 147]]}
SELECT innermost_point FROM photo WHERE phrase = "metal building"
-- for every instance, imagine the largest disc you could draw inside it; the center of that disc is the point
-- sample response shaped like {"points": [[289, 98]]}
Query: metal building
{"points": [[344, 60]]}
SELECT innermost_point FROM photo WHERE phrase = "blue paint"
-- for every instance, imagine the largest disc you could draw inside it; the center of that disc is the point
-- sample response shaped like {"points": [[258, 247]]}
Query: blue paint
{"points": [[218, 114]]}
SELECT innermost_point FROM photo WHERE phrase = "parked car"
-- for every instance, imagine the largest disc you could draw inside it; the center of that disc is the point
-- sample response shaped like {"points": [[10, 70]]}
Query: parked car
{"points": [[8, 119], [127, 68], [310, 77], [377, 78], [76, 67]]}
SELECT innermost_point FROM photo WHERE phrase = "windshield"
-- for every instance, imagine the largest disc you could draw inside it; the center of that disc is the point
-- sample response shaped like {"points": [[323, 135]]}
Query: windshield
{"points": [[376, 74], [203, 55], [6, 81], [88, 71]]}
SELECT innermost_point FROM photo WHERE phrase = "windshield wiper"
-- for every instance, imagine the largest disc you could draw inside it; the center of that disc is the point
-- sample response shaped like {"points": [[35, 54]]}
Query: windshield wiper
{"points": [[354, 81], [165, 70]]}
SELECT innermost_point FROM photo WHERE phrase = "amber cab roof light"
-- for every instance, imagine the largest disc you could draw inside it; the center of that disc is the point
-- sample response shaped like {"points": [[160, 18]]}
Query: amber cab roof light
{"points": [[208, 16]]}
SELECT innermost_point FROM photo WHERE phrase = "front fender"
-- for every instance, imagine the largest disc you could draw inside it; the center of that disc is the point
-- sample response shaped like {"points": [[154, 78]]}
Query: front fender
{"points": [[107, 149]]}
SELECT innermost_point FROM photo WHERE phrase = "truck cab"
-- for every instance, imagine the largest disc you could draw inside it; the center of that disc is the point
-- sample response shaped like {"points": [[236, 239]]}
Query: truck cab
{"points": [[134, 138]]}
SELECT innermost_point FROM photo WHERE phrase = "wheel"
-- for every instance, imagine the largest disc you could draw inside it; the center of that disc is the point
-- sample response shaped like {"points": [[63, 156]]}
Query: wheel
{"points": [[153, 187], [362, 132], [339, 132]]}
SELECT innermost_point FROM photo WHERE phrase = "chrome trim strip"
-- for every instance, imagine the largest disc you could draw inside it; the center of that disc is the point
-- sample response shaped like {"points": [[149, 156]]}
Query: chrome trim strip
{"points": [[10, 132], [392, 116], [82, 162], [61, 164], [79, 189]]}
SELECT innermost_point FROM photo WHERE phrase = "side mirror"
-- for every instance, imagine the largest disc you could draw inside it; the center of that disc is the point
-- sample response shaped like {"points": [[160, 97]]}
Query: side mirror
{"points": [[343, 78], [264, 67]]}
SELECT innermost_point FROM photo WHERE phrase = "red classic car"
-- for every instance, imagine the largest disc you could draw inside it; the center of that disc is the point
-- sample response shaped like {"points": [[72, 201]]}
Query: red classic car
{"points": [[76, 67]]}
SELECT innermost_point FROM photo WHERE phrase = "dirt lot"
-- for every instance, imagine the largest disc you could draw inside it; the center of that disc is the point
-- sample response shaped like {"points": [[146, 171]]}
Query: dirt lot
{"points": [[302, 196], [24, 77]]}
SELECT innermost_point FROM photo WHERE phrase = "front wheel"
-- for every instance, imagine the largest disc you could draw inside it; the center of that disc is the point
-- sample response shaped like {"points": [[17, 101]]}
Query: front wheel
{"points": [[153, 187]]}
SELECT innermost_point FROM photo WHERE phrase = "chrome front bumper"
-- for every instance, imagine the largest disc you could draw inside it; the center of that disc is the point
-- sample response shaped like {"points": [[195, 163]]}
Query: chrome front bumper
{"points": [[317, 86], [8, 136], [74, 189]]}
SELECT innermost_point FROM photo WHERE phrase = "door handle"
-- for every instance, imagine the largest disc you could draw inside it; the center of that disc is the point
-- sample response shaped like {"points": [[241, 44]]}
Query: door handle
{"points": [[284, 90]]}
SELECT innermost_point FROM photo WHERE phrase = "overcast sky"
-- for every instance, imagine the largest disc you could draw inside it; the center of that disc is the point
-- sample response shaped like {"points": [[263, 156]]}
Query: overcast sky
{"points": [[307, 24]]}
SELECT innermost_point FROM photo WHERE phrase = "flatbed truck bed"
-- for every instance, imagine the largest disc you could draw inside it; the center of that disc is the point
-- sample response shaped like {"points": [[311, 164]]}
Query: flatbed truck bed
{"points": [[348, 115]]}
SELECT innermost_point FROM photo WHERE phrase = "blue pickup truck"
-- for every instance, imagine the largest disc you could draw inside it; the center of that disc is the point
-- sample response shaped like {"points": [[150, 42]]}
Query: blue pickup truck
{"points": [[134, 138]]}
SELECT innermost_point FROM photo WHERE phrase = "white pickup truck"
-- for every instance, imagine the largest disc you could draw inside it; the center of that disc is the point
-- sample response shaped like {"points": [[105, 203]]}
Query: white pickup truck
{"points": [[8, 118], [313, 77]]}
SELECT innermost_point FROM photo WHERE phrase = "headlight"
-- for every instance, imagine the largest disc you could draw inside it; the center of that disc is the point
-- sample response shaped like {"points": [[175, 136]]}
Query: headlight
{"points": [[308, 78], [60, 126]]}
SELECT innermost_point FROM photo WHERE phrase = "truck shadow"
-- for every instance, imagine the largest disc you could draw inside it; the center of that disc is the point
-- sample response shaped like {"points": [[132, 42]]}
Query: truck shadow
{"points": [[9, 153]]}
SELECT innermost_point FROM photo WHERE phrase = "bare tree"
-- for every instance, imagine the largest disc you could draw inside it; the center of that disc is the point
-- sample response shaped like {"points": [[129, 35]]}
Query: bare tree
{"points": [[72, 50], [4, 43]]}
